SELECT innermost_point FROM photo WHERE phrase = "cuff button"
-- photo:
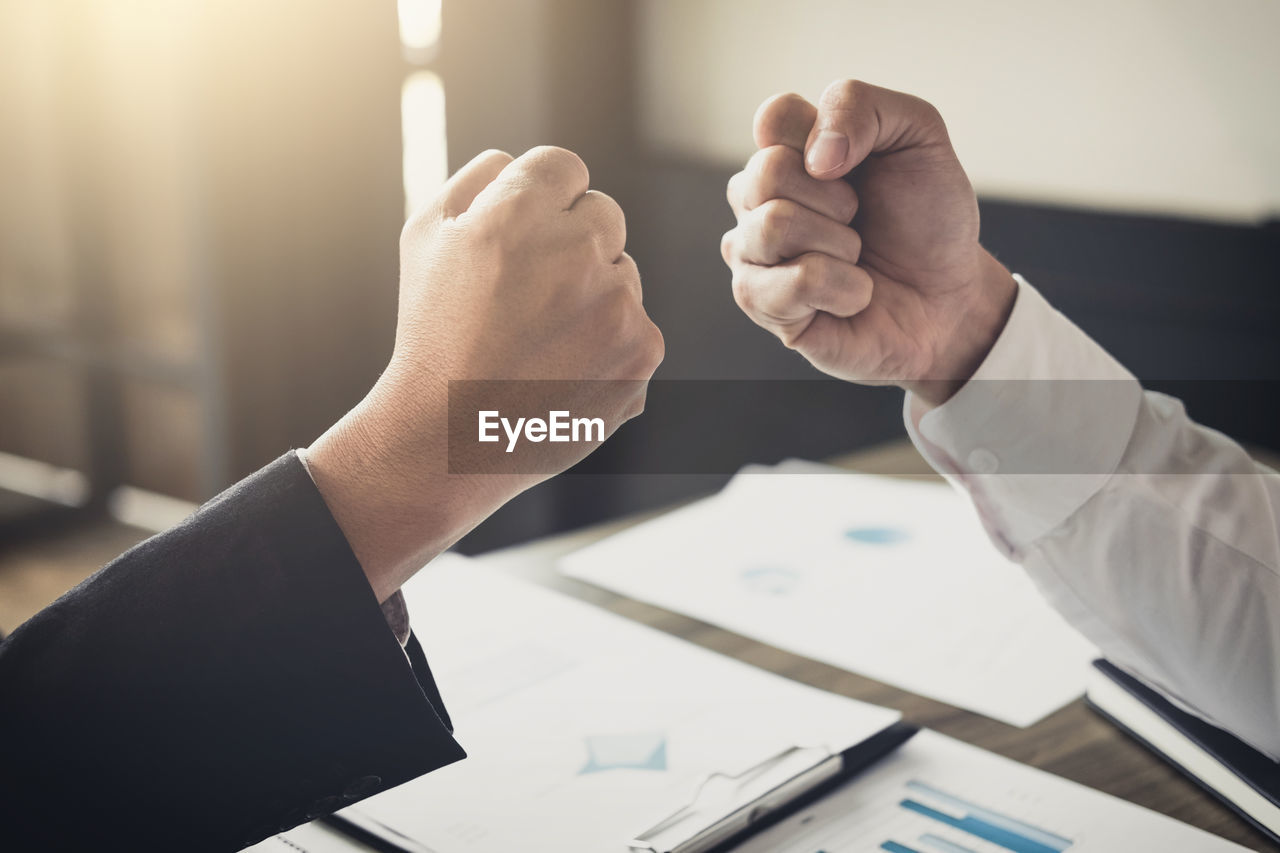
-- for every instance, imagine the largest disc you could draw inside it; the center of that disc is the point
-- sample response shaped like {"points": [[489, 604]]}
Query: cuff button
{"points": [[983, 461]]}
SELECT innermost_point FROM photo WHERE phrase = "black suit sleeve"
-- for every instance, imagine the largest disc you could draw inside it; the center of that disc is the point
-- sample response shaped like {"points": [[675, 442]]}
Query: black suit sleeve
{"points": [[220, 682]]}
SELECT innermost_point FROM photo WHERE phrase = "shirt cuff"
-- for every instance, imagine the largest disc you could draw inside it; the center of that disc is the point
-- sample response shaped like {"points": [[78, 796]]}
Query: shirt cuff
{"points": [[1038, 429]]}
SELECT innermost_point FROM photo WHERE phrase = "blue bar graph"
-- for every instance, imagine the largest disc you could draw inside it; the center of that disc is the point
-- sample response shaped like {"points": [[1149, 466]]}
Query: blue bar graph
{"points": [[895, 847], [1007, 832], [942, 845]]}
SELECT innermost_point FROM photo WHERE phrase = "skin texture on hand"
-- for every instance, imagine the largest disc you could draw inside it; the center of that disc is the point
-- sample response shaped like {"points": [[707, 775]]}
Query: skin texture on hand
{"points": [[515, 272], [857, 241]]}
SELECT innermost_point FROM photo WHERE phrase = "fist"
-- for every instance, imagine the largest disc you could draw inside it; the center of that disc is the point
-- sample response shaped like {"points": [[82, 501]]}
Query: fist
{"points": [[518, 271], [857, 241], [515, 288], [515, 296]]}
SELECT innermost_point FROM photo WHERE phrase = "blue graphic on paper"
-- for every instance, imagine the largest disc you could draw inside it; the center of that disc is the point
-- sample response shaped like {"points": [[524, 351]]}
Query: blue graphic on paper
{"points": [[641, 751], [999, 829], [770, 580], [877, 535]]}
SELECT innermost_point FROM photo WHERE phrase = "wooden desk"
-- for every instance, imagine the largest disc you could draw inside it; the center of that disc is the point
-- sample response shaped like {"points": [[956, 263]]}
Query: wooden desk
{"points": [[1074, 743]]}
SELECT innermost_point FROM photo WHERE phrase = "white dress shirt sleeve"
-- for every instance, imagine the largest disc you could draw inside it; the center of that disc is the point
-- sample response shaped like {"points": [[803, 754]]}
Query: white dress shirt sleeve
{"points": [[1158, 538]]}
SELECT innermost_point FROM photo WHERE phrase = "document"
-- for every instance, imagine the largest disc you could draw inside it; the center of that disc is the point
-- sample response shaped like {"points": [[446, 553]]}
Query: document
{"points": [[892, 579], [583, 728], [938, 795]]}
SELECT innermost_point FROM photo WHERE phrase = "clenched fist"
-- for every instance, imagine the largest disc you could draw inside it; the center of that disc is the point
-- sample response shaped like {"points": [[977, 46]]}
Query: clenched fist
{"points": [[515, 272], [857, 241]]}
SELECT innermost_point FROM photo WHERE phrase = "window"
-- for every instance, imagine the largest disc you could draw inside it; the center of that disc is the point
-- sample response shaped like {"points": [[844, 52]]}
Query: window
{"points": [[422, 116]]}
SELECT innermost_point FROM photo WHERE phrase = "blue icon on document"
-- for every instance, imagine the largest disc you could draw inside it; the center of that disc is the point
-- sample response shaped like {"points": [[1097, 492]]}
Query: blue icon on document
{"points": [[877, 535], [642, 751]]}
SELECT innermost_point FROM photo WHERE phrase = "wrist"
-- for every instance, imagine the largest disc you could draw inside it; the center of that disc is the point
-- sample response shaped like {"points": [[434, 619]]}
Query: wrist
{"points": [[975, 325], [383, 472]]}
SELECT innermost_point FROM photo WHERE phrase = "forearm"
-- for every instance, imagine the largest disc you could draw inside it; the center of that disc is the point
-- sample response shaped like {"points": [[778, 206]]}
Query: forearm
{"points": [[1154, 536], [1173, 570]]}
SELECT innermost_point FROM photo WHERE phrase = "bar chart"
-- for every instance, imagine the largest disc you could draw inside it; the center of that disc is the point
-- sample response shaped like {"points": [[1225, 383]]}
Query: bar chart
{"points": [[981, 823], [922, 817], [937, 795]]}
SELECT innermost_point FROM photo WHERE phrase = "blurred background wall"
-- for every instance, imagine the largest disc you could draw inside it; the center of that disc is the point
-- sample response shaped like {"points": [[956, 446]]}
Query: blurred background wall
{"points": [[1165, 106], [201, 203]]}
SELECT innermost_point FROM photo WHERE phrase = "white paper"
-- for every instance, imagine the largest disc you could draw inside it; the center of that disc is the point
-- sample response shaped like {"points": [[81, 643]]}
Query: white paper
{"points": [[583, 729], [892, 579], [912, 801]]}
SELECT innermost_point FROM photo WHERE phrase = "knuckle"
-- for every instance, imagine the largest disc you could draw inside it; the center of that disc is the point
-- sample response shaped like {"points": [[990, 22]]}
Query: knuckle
{"points": [[734, 189], [742, 293], [855, 244], [929, 110], [728, 245], [866, 290], [801, 288], [494, 154], [565, 159], [416, 226], [615, 217], [775, 168], [812, 273], [609, 223], [560, 160], [776, 217], [654, 346], [615, 314], [630, 271], [845, 201], [787, 102]]}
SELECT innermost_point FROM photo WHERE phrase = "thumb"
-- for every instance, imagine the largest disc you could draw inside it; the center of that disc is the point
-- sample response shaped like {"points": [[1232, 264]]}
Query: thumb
{"points": [[856, 119], [467, 183]]}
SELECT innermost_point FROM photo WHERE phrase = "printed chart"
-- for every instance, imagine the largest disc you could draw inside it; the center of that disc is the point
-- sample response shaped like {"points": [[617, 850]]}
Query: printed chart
{"points": [[938, 795]]}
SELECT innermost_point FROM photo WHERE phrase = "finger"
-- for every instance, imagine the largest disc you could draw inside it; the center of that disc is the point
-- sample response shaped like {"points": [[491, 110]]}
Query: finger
{"points": [[780, 230], [856, 119], [627, 272], [605, 220], [785, 298], [784, 120], [778, 172], [461, 190], [733, 191], [545, 175]]}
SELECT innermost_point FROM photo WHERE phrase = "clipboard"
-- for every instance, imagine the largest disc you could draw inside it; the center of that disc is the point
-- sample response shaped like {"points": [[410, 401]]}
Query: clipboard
{"points": [[725, 809]]}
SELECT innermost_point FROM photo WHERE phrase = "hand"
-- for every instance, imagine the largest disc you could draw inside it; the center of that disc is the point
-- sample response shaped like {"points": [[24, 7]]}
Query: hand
{"points": [[857, 241], [515, 272]]}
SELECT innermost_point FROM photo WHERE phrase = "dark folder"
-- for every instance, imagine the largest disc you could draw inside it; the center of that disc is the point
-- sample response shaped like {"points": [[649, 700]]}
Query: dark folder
{"points": [[1242, 777]]}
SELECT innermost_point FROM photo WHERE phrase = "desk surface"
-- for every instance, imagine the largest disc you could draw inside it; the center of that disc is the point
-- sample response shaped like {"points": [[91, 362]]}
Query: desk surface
{"points": [[1074, 743]]}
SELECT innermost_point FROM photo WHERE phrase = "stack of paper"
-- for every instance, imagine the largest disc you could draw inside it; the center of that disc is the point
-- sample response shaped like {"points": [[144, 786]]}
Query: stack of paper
{"points": [[892, 579], [582, 728]]}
